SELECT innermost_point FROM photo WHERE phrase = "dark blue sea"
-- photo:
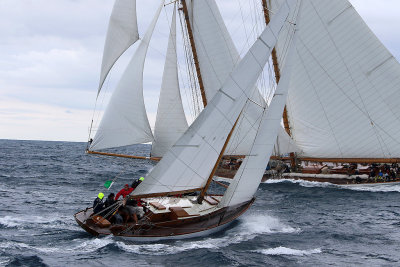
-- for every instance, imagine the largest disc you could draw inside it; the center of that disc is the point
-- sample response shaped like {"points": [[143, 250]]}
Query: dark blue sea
{"points": [[42, 185]]}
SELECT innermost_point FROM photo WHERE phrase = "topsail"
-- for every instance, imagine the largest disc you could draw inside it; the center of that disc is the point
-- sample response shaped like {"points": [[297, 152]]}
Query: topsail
{"points": [[122, 33]]}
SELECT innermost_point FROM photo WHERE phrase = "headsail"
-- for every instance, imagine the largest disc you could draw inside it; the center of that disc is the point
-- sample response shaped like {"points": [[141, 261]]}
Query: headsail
{"points": [[122, 33], [125, 120], [247, 179], [188, 164], [343, 94], [170, 121]]}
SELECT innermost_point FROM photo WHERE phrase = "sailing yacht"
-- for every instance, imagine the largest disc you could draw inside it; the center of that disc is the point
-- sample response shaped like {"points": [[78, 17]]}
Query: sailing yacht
{"points": [[189, 165], [213, 56], [342, 102]]}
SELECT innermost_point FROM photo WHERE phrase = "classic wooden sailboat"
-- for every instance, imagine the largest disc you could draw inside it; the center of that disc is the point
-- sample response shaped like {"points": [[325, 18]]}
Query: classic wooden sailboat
{"points": [[341, 105], [190, 163], [213, 54]]}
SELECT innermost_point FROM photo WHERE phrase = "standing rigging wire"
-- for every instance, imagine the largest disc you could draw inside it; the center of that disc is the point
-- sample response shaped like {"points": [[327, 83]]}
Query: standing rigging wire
{"points": [[95, 121], [191, 71]]}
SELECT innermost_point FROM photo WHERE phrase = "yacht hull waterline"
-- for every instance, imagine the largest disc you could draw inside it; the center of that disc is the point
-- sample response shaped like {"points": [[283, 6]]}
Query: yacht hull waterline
{"points": [[166, 226]]}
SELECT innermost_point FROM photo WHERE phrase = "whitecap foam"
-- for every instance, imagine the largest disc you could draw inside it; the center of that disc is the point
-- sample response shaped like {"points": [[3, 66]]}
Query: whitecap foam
{"points": [[9, 221], [250, 226], [303, 183], [373, 187], [288, 251], [74, 247], [53, 221]]}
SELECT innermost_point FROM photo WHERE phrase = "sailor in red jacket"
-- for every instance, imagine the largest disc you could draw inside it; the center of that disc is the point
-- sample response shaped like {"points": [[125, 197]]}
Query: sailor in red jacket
{"points": [[124, 192]]}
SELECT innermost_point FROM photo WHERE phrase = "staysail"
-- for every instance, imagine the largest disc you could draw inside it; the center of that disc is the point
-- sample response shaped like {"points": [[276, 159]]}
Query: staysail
{"points": [[170, 121], [125, 120], [122, 33], [188, 164], [343, 93], [246, 181]]}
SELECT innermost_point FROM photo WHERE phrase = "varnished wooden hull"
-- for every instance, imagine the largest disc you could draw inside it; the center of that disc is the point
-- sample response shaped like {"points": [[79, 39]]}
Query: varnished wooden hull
{"points": [[168, 229]]}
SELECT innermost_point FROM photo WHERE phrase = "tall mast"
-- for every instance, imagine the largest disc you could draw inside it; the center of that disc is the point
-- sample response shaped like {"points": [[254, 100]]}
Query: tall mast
{"points": [[276, 67], [277, 78], [221, 154], [194, 52]]}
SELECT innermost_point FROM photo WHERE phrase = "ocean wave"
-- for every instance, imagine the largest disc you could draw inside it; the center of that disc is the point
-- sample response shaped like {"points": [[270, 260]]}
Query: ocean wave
{"points": [[250, 227], [373, 187], [29, 220], [74, 247], [303, 183], [288, 251]]}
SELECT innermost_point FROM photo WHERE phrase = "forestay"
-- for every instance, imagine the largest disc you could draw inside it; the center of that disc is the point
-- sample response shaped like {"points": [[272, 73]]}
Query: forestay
{"points": [[248, 177], [343, 96], [218, 56], [125, 120], [122, 33], [188, 164], [170, 121]]}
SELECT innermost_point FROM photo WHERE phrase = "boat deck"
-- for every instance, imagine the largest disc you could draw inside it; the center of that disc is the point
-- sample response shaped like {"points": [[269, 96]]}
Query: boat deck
{"points": [[166, 216]]}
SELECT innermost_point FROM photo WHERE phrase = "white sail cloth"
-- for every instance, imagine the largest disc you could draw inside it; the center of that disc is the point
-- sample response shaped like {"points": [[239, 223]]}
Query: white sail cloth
{"points": [[125, 120], [170, 121], [246, 181], [343, 96], [218, 56], [188, 164], [122, 33]]}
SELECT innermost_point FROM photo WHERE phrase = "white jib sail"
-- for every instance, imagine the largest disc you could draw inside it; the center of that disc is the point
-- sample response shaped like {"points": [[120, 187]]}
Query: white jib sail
{"points": [[217, 57], [188, 164], [247, 179], [122, 33], [343, 96], [125, 120], [170, 121]]}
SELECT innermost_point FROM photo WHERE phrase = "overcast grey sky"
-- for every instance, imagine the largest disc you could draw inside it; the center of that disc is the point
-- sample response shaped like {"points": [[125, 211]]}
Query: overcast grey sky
{"points": [[50, 56]]}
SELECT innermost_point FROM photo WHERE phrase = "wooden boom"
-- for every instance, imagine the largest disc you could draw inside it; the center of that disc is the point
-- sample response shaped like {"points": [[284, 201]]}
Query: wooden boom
{"points": [[122, 155]]}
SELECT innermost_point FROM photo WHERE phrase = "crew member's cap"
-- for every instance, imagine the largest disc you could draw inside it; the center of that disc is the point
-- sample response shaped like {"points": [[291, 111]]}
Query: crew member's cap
{"points": [[127, 185], [141, 179], [100, 195]]}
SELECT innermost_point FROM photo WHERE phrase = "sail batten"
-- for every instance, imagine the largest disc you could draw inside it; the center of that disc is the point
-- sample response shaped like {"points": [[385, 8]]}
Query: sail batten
{"points": [[121, 34], [187, 167], [125, 120]]}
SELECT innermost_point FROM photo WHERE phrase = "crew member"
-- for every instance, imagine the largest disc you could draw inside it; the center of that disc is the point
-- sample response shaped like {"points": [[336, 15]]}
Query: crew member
{"points": [[115, 217], [137, 182], [124, 192], [98, 204]]}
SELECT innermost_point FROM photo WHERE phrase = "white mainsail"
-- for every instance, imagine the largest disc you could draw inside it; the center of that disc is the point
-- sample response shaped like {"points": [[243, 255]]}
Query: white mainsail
{"points": [[217, 57], [188, 164], [343, 96], [246, 181], [170, 121], [125, 120], [121, 34]]}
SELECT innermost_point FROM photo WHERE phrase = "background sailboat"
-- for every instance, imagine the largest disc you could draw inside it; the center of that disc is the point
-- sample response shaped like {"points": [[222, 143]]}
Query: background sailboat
{"points": [[340, 103]]}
